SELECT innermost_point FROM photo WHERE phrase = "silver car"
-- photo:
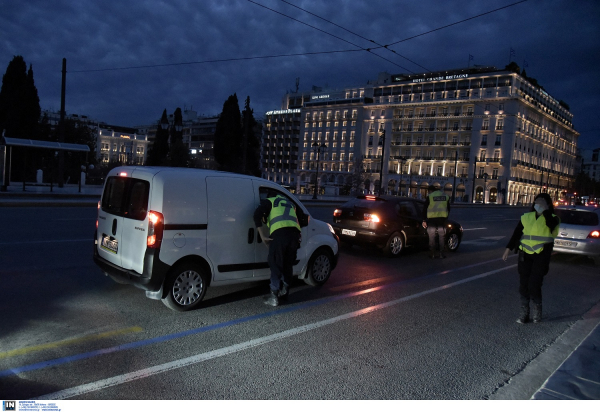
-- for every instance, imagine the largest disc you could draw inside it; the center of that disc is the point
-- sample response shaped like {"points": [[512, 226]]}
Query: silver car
{"points": [[579, 231]]}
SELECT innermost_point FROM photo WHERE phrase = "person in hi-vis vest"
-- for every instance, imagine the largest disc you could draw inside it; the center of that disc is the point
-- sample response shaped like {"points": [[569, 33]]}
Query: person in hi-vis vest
{"points": [[283, 239], [534, 238], [437, 209]]}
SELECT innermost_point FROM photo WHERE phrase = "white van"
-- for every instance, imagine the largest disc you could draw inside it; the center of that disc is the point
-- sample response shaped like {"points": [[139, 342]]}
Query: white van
{"points": [[174, 232]]}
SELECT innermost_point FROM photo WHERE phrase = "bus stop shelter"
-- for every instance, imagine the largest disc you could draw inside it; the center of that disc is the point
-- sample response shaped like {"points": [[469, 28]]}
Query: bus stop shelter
{"points": [[7, 144]]}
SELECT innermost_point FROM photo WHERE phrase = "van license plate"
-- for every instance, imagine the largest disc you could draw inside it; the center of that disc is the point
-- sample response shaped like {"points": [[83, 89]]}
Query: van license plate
{"points": [[565, 243], [348, 232], [110, 245]]}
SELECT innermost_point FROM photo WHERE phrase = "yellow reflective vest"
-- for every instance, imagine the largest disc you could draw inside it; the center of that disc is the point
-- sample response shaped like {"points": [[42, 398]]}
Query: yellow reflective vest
{"points": [[438, 205], [282, 214], [536, 233]]}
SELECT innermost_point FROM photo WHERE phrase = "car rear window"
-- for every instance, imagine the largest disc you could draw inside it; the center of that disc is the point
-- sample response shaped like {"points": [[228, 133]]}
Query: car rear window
{"points": [[365, 204], [577, 217], [126, 197]]}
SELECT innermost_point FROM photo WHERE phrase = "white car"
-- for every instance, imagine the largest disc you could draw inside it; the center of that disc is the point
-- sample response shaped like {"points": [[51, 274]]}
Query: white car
{"points": [[174, 232], [579, 231]]}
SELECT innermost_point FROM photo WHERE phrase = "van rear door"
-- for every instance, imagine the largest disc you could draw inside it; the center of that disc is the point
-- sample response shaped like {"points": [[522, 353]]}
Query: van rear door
{"points": [[122, 222]]}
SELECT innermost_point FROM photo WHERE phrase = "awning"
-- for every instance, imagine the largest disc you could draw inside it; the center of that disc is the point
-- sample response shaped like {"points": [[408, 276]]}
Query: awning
{"points": [[42, 144]]}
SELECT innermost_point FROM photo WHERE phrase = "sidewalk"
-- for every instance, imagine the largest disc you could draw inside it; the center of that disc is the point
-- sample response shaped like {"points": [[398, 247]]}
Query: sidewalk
{"points": [[568, 369]]}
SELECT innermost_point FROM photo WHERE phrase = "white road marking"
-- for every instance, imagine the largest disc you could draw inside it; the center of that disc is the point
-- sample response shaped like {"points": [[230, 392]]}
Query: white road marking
{"points": [[475, 228], [46, 241], [180, 363]]}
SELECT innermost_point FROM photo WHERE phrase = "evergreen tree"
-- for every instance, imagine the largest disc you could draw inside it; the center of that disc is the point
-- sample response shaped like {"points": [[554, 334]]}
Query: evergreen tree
{"points": [[252, 145], [179, 153], [19, 102], [157, 156], [228, 137]]}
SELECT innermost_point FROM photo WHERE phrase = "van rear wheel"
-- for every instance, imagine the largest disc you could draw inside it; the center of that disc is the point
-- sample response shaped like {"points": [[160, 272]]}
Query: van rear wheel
{"points": [[186, 286], [319, 268]]}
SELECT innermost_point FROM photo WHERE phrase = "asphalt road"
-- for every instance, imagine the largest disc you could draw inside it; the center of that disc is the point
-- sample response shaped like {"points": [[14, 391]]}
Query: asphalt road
{"points": [[380, 328]]}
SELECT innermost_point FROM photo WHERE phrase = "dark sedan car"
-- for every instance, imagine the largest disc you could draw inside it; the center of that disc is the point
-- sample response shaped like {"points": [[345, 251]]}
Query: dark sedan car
{"points": [[391, 223]]}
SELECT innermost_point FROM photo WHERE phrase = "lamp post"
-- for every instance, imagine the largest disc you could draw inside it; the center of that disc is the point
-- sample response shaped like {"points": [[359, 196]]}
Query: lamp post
{"points": [[382, 157], [318, 148], [402, 159], [454, 184], [485, 176]]}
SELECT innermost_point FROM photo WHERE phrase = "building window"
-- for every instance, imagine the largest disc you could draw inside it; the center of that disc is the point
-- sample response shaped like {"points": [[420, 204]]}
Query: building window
{"points": [[484, 140], [500, 124], [498, 139]]}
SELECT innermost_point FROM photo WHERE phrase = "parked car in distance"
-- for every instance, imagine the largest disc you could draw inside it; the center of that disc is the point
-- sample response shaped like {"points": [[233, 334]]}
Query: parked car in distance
{"points": [[579, 231], [390, 223]]}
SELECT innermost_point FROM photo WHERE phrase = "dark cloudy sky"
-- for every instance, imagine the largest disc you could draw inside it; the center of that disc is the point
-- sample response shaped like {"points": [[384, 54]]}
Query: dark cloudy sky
{"points": [[559, 40]]}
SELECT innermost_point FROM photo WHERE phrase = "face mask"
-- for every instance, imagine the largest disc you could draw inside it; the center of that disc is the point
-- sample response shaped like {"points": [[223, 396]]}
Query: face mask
{"points": [[538, 208]]}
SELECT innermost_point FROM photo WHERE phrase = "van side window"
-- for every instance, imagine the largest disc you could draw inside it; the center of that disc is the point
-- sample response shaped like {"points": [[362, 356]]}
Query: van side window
{"points": [[302, 217]]}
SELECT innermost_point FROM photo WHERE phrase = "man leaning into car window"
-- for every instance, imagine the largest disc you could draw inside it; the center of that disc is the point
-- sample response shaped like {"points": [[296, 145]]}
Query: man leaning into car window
{"points": [[437, 209]]}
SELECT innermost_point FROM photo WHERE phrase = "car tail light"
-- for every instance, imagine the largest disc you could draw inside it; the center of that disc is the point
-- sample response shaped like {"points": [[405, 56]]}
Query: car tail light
{"points": [[595, 234], [370, 197], [123, 174], [97, 214], [337, 212], [156, 224], [372, 217]]}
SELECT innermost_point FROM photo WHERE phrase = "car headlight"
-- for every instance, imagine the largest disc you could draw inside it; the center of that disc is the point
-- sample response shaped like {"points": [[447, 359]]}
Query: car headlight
{"points": [[331, 228]]}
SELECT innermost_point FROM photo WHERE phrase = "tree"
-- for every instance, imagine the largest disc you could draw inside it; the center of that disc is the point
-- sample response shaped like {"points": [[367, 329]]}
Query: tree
{"points": [[252, 142], [179, 153], [359, 174], [19, 102], [513, 67], [229, 137], [157, 156]]}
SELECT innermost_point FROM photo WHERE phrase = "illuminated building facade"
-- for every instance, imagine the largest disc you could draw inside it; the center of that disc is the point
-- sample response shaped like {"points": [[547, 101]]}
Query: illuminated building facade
{"points": [[482, 134]]}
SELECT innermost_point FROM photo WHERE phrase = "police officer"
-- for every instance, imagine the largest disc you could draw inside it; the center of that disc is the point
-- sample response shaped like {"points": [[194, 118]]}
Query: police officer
{"points": [[533, 238], [279, 214], [437, 209]]}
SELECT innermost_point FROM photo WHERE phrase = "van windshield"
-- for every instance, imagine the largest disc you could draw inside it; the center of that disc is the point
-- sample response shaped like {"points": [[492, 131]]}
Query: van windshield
{"points": [[126, 197]]}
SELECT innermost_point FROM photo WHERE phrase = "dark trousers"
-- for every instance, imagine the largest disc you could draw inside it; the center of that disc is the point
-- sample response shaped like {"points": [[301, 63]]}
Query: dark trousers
{"points": [[282, 255], [532, 269], [436, 228]]}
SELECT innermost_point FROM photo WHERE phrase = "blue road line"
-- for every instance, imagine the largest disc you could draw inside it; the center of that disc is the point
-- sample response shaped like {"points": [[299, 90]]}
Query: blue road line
{"points": [[165, 338]]}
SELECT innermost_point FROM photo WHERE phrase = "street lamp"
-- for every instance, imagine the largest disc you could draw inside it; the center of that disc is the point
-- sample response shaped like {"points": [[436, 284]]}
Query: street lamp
{"points": [[454, 184], [402, 159], [382, 157], [485, 176], [317, 148]]}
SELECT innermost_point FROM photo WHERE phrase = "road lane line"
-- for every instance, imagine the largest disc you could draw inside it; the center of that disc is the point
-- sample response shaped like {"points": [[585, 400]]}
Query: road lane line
{"points": [[165, 338], [46, 241], [66, 342], [475, 228], [191, 360]]}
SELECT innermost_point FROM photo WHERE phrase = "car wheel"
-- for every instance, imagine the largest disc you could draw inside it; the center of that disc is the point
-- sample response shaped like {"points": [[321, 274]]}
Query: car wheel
{"points": [[453, 242], [319, 267], [186, 286], [395, 245]]}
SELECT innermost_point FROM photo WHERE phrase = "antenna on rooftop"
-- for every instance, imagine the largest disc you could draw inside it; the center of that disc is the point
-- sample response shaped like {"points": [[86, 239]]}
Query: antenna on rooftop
{"points": [[297, 83]]}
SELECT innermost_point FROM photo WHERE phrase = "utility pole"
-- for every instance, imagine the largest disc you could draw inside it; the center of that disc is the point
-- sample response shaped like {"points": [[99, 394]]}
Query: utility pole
{"points": [[61, 130], [454, 184], [246, 131], [382, 157]]}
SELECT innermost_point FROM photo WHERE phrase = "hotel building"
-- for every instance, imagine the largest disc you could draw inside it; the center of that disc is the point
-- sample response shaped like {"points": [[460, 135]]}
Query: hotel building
{"points": [[482, 134]]}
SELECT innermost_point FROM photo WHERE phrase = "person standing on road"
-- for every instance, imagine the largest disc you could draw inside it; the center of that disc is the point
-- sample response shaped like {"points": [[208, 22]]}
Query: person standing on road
{"points": [[533, 238], [437, 209], [283, 240]]}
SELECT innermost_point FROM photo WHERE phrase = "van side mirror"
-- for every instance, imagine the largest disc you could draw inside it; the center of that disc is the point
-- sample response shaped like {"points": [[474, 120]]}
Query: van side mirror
{"points": [[303, 219]]}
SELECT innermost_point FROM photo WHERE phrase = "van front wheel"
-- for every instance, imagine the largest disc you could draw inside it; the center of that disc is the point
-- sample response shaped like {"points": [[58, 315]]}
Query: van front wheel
{"points": [[319, 268], [186, 286]]}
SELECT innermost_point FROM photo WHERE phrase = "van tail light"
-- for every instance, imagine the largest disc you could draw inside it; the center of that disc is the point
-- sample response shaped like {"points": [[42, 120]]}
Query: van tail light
{"points": [[337, 212], [372, 217], [594, 234], [156, 224]]}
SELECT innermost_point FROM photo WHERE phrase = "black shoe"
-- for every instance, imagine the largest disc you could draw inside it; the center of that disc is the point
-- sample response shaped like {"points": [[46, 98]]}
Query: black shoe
{"points": [[524, 318], [284, 292], [272, 300], [442, 256], [432, 255], [537, 313]]}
